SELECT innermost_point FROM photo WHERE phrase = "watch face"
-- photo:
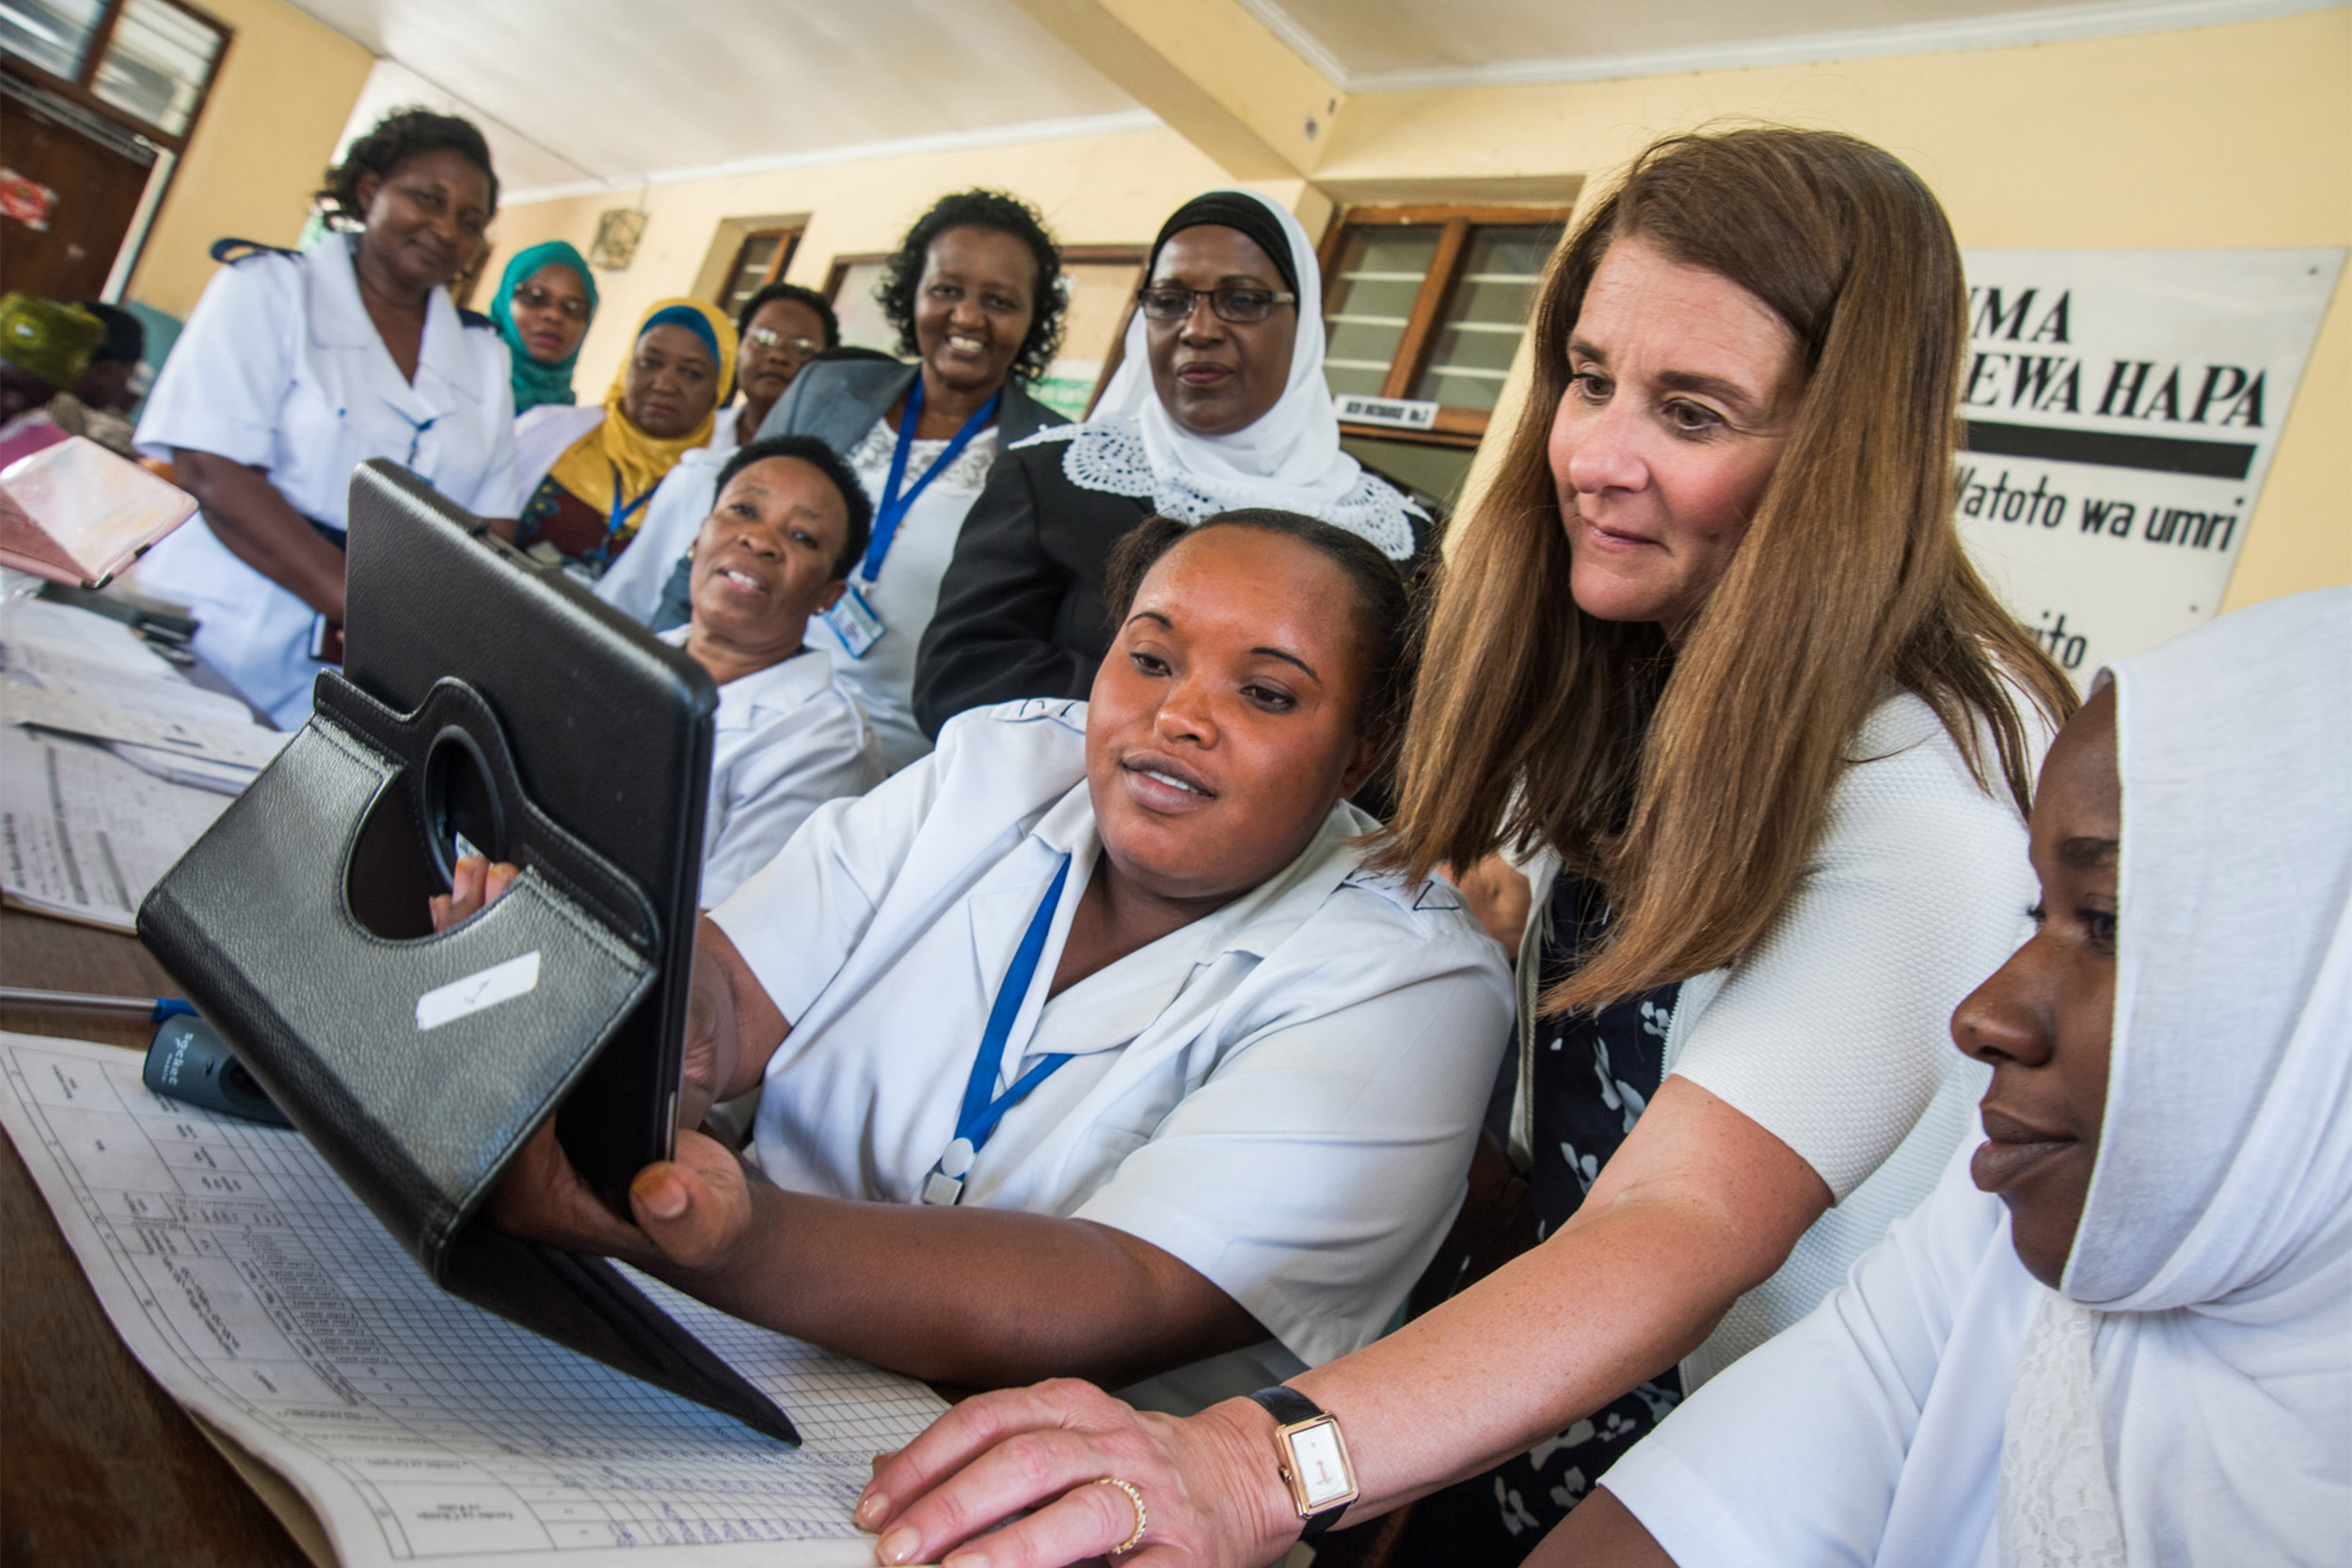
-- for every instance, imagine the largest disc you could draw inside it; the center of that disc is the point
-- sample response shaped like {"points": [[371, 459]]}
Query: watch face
{"points": [[1321, 1465]]}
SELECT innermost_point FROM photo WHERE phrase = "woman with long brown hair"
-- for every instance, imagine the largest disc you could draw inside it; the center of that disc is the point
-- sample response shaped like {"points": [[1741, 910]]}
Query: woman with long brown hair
{"points": [[1711, 645]]}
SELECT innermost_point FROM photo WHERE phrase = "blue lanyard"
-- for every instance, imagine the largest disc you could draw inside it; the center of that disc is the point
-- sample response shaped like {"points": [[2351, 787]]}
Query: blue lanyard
{"points": [[621, 514], [981, 1112], [895, 507]]}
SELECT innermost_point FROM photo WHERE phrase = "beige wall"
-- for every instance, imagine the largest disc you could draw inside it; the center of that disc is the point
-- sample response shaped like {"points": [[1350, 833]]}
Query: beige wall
{"points": [[2214, 138], [265, 139], [1098, 190]]}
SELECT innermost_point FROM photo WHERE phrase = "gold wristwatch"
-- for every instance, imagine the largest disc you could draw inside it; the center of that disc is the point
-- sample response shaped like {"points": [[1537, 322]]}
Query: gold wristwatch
{"points": [[1314, 1456]]}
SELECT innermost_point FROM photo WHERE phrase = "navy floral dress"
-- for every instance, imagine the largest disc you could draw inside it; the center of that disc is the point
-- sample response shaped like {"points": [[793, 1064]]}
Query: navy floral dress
{"points": [[1591, 1079]]}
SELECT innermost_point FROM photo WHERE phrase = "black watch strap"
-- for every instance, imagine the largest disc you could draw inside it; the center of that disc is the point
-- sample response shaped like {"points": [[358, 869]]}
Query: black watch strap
{"points": [[1289, 1407]]}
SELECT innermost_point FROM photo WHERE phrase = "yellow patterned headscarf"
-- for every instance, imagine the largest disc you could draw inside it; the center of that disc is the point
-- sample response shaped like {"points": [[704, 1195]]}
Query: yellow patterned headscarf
{"points": [[49, 342], [616, 447]]}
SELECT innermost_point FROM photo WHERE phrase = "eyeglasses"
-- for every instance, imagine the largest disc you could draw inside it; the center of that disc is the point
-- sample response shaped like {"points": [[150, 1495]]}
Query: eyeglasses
{"points": [[791, 348], [1166, 304], [532, 297]]}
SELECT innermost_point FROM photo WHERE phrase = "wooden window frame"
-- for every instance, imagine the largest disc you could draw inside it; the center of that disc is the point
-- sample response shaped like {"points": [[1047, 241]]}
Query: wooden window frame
{"points": [[841, 265], [1456, 427], [79, 90], [789, 233]]}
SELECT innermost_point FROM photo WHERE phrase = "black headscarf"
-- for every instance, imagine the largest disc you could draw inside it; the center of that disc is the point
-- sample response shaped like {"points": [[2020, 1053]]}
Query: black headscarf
{"points": [[126, 337], [1230, 210]]}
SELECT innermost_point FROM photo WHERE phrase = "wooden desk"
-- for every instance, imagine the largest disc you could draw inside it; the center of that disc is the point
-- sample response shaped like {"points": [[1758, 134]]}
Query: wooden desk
{"points": [[98, 1465]]}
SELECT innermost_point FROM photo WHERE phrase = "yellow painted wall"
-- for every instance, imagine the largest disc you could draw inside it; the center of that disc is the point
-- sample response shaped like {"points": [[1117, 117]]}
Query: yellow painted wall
{"points": [[1096, 190], [265, 139], [2214, 138]]}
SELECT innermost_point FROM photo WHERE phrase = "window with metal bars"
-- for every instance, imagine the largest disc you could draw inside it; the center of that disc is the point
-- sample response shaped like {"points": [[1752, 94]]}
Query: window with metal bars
{"points": [[1423, 310]]}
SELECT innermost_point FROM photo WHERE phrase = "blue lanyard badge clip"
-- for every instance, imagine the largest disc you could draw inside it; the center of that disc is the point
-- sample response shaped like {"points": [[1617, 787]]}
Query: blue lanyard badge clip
{"points": [[852, 617], [620, 522], [981, 1112]]}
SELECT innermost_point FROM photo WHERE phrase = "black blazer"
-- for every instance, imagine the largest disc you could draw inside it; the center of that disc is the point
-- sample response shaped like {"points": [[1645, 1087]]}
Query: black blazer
{"points": [[1021, 612], [1020, 609]]}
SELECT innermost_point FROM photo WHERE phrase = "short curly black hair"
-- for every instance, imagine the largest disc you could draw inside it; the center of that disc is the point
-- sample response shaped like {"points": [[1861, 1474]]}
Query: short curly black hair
{"points": [[403, 134], [826, 461], [980, 209], [817, 303]]}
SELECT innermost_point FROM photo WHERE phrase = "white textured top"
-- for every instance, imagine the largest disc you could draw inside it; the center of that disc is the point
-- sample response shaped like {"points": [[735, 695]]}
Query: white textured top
{"points": [[1833, 1033], [1282, 1094]]}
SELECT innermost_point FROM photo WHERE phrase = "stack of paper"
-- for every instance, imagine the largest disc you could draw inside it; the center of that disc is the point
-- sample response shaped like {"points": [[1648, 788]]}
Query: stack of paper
{"points": [[111, 763], [417, 1429]]}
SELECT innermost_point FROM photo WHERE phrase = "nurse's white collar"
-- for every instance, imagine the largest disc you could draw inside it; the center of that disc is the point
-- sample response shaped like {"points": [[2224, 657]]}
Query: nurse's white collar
{"points": [[784, 685], [1260, 919], [334, 261]]}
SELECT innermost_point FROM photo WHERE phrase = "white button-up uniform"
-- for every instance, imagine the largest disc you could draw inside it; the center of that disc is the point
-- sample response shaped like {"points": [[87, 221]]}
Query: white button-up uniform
{"points": [[788, 740], [281, 368], [1282, 1094]]}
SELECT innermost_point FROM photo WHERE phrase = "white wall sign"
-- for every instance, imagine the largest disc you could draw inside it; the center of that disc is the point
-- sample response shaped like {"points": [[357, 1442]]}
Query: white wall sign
{"points": [[1403, 413], [2123, 407]]}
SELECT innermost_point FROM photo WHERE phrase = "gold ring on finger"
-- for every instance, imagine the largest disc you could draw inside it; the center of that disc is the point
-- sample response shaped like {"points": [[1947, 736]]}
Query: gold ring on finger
{"points": [[1143, 1516]]}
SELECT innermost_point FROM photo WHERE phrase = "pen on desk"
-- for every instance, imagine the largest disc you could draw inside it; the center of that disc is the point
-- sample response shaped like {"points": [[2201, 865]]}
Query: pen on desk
{"points": [[154, 1009]]}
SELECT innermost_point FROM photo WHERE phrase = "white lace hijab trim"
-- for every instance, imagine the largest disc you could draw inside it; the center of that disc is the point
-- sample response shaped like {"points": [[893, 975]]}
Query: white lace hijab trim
{"points": [[2057, 1501], [1108, 457], [1288, 457]]}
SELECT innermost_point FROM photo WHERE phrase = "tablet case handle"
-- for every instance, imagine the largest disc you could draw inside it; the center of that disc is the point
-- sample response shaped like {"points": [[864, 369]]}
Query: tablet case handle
{"points": [[417, 1063]]}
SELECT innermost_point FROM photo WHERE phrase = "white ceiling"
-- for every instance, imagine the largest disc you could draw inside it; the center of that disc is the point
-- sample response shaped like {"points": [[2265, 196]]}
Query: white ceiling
{"points": [[578, 95], [1387, 46], [610, 91]]}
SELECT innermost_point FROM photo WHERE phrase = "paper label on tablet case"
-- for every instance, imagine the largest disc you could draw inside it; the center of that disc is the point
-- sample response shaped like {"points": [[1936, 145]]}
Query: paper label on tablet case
{"points": [[485, 988]]}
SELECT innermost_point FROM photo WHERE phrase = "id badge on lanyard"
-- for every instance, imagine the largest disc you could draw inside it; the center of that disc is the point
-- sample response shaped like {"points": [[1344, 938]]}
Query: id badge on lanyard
{"points": [[853, 621], [853, 618]]}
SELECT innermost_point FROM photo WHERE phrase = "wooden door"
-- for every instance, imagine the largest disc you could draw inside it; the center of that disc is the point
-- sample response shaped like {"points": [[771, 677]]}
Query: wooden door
{"points": [[98, 181]]}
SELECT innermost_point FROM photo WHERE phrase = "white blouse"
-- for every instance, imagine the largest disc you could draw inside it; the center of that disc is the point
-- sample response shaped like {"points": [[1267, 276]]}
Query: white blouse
{"points": [[907, 593], [281, 368], [1282, 1094], [787, 739], [1869, 1433]]}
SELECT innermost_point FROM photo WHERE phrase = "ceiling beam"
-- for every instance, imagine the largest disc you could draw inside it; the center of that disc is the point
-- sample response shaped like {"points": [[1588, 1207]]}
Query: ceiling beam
{"points": [[1214, 74]]}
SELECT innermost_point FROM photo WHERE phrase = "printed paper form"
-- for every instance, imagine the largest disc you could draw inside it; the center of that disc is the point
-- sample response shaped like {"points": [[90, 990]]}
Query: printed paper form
{"points": [[128, 712], [261, 1294], [84, 833]]}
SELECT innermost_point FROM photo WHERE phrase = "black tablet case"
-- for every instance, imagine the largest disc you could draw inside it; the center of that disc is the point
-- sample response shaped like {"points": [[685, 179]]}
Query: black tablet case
{"points": [[483, 696]]}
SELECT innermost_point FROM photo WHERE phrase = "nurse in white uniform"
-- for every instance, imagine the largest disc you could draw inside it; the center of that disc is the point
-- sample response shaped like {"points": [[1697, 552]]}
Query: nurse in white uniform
{"points": [[295, 369], [1090, 1045], [788, 523]]}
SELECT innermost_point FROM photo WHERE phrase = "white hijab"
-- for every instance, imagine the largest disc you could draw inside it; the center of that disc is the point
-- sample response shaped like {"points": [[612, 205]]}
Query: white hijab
{"points": [[2202, 1332], [1289, 457]]}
